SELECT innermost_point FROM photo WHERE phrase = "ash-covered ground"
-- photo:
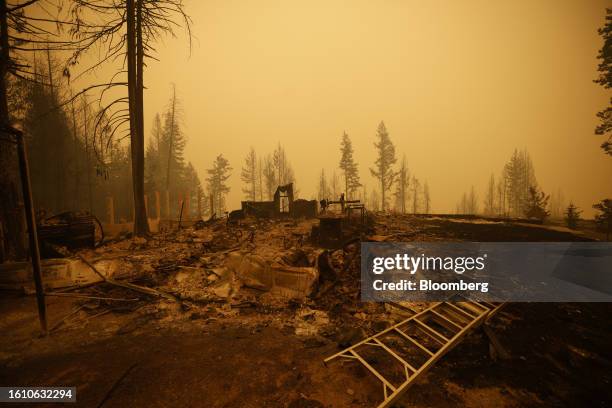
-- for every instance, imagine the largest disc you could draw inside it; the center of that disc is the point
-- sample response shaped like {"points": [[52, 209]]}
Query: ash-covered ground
{"points": [[244, 314]]}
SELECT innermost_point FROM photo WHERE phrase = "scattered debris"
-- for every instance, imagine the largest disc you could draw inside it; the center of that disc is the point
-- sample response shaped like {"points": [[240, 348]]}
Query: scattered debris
{"points": [[71, 229], [284, 280], [282, 205]]}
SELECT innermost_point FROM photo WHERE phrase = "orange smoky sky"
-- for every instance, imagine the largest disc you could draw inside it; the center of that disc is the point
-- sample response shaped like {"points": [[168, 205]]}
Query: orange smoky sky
{"points": [[459, 84]]}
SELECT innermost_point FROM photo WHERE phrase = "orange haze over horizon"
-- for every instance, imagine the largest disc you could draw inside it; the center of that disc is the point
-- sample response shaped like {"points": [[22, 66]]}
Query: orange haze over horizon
{"points": [[459, 86]]}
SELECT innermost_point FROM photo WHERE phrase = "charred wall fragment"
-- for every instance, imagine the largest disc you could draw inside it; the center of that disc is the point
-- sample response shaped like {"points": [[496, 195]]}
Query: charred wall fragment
{"points": [[283, 204]]}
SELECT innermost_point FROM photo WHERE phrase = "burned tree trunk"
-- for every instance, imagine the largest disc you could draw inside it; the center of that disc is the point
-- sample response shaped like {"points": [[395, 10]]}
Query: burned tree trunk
{"points": [[135, 89], [4, 63]]}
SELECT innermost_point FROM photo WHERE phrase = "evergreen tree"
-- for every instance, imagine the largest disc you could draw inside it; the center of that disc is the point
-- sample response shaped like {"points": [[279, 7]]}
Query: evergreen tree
{"points": [[402, 186], [557, 203], [468, 205], [153, 162], [536, 204], [334, 186], [173, 144], [282, 168], [519, 177], [51, 144], [348, 167], [374, 200], [115, 183], [218, 175], [604, 218], [605, 79], [269, 177], [426, 198], [462, 205], [194, 188], [260, 178], [249, 175], [415, 194], [572, 216], [324, 192], [489, 202], [472, 202], [383, 170]]}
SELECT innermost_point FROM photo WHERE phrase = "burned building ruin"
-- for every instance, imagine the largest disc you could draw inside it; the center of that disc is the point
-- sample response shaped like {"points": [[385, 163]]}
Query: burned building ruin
{"points": [[283, 205]]}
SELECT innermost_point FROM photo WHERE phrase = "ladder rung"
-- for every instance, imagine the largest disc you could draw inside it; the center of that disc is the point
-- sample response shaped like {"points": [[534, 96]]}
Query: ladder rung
{"points": [[452, 314], [447, 320], [373, 370], [401, 360], [460, 310], [416, 343], [432, 333], [487, 304], [478, 310]]}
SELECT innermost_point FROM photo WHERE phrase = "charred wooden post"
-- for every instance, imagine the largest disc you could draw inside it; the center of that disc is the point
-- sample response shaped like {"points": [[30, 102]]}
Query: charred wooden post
{"points": [[24, 172], [181, 214]]}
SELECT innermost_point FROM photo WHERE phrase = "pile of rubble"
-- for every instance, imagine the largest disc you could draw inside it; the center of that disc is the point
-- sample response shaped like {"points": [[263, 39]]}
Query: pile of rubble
{"points": [[259, 270]]}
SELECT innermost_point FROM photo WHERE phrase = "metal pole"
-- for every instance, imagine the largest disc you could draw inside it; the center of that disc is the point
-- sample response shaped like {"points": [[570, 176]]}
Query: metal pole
{"points": [[24, 172], [181, 214]]}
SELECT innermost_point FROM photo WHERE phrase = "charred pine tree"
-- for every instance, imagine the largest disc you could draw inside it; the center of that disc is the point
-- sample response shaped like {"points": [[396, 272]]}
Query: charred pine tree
{"points": [[603, 219], [403, 184], [383, 169], [218, 175], [572, 216], [426, 198], [127, 30], [536, 204], [348, 167], [249, 175], [20, 37], [269, 176], [489, 201], [415, 194]]}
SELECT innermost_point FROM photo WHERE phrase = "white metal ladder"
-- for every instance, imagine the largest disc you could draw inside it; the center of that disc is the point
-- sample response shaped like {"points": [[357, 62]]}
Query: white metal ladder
{"points": [[416, 343]]}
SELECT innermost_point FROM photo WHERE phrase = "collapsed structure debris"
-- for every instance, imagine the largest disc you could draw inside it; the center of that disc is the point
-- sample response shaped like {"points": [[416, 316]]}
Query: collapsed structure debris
{"points": [[335, 228], [300, 274], [71, 229], [283, 204]]}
